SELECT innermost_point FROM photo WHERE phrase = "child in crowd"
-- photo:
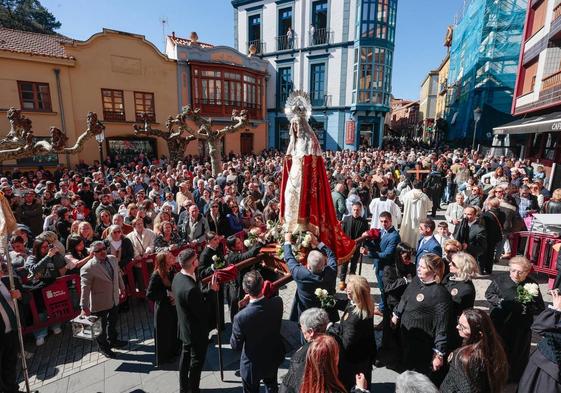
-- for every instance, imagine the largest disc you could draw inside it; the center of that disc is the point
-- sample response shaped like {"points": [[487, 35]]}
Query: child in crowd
{"points": [[443, 233]]}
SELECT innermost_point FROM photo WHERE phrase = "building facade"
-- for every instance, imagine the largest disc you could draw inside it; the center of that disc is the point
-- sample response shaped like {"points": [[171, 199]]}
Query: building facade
{"points": [[427, 104], [538, 87], [404, 117], [219, 80], [56, 81], [483, 61], [340, 52], [442, 95]]}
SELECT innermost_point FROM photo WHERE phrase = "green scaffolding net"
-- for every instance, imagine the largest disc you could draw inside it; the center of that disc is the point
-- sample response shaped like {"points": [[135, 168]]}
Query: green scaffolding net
{"points": [[483, 64]]}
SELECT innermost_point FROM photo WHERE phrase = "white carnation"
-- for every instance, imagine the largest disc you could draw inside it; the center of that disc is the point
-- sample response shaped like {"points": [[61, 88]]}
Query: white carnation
{"points": [[247, 243], [215, 258], [532, 289], [324, 292], [318, 292]]}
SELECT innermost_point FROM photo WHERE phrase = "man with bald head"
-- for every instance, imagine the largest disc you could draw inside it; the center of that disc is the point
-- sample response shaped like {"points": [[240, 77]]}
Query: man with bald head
{"points": [[320, 272]]}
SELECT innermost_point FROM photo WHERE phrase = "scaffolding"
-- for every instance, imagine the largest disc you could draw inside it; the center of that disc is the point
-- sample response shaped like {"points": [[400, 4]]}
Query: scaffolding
{"points": [[483, 64]]}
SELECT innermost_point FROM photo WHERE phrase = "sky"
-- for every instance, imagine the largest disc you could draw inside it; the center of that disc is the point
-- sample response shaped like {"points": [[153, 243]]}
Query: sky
{"points": [[421, 27]]}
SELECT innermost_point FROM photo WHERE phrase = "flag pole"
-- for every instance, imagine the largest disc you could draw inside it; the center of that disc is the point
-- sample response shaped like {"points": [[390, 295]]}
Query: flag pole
{"points": [[8, 220]]}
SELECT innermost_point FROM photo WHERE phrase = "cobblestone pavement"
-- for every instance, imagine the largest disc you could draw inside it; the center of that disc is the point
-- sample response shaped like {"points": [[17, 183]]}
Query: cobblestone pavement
{"points": [[65, 364]]}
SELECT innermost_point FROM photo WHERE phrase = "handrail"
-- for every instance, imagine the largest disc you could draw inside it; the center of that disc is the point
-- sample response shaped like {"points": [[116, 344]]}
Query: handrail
{"points": [[551, 80]]}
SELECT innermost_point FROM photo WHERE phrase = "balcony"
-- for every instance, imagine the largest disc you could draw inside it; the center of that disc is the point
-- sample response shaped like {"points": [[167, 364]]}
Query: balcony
{"points": [[284, 42], [320, 100], [551, 81], [320, 37], [258, 44]]}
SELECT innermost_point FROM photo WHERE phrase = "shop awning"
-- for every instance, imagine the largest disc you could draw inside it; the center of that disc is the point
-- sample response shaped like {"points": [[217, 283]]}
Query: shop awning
{"points": [[544, 123]]}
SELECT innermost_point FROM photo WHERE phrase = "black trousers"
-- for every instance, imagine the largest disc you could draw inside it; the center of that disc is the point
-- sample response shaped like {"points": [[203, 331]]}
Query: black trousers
{"points": [[251, 383], [9, 349], [190, 367], [108, 326], [344, 268]]}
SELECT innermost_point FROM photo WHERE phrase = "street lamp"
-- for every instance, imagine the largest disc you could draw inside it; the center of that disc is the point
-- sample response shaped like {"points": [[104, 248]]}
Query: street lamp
{"points": [[476, 118], [100, 138]]}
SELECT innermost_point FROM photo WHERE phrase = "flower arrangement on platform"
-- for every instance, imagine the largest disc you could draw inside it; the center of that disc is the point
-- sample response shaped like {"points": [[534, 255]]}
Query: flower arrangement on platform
{"points": [[252, 237], [301, 243], [526, 293], [327, 300], [218, 263]]}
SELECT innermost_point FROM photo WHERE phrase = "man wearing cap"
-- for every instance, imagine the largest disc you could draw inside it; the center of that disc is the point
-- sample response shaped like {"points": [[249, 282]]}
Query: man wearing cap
{"points": [[101, 285]]}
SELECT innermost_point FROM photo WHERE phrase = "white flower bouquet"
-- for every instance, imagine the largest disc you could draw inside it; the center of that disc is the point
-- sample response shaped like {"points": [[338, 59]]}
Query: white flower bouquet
{"points": [[327, 300], [526, 293], [218, 263]]}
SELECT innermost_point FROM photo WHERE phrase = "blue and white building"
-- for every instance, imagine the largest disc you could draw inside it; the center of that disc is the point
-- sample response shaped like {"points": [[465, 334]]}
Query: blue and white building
{"points": [[339, 51]]}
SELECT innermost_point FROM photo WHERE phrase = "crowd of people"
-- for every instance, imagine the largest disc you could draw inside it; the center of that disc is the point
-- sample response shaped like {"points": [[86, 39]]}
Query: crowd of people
{"points": [[99, 221]]}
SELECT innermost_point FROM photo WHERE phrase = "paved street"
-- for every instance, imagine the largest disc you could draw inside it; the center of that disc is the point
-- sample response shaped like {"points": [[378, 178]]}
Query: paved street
{"points": [[65, 364]]}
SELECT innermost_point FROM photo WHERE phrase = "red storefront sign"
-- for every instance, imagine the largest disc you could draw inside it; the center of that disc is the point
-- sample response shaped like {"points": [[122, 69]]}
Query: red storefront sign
{"points": [[350, 136]]}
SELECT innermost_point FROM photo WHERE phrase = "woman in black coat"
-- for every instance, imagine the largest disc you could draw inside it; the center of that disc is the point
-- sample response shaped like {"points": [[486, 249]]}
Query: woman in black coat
{"points": [[480, 365], [513, 318], [463, 268], [395, 279], [543, 372], [165, 315], [355, 332], [424, 314]]}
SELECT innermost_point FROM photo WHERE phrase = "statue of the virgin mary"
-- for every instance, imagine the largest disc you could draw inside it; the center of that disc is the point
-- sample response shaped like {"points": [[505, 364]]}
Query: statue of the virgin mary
{"points": [[306, 203]]}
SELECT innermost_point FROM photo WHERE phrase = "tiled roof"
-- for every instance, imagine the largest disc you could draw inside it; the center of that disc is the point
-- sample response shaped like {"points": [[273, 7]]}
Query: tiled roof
{"points": [[33, 43], [186, 42]]}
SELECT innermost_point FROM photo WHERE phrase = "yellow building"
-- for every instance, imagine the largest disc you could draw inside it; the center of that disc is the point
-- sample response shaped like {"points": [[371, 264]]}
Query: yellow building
{"points": [[442, 87], [56, 81]]}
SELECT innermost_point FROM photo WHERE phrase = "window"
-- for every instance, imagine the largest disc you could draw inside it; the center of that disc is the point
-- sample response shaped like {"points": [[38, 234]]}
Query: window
{"points": [[529, 77], [378, 19], [34, 96], [537, 18], [284, 84], [254, 33], [285, 40], [319, 35], [317, 84], [113, 105], [285, 20], [372, 76], [319, 14], [219, 90], [144, 103]]}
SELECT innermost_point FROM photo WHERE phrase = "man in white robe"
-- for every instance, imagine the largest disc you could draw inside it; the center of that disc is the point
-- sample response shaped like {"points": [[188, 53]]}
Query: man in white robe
{"points": [[416, 205], [384, 204]]}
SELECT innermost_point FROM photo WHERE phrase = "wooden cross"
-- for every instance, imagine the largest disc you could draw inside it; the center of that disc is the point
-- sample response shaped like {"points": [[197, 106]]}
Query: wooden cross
{"points": [[418, 172]]}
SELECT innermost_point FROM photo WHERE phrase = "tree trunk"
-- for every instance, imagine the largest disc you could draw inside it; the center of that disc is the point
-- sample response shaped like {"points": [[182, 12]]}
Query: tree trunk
{"points": [[176, 148], [215, 155]]}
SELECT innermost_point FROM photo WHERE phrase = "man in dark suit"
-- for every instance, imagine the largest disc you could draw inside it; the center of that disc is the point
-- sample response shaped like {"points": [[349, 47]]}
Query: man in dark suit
{"points": [[316, 274], [193, 320], [526, 202], [383, 252], [256, 332], [493, 221], [234, 291], [427, 242], [353, 226], [476, 244], [216, 221], [212, 254], [434, 184]]}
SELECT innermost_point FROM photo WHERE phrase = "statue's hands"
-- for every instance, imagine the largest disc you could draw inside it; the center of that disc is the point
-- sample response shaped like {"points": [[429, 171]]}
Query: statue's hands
{"points": [[288, 237]]}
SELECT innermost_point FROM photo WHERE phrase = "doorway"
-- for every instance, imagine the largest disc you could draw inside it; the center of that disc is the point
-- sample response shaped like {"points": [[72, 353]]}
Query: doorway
{"points": [[246, 143]]}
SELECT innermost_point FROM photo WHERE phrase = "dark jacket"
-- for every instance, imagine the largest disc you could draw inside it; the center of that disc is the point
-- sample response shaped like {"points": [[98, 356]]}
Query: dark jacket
{"points": [[31, 215], [307, 282], [354, 227], [383, 251], [192, 312], [430, 246], [256, 332]]}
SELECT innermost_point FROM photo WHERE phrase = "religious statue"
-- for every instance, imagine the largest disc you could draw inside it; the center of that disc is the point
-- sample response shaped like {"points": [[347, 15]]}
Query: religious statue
{"points": [[306, 203]]}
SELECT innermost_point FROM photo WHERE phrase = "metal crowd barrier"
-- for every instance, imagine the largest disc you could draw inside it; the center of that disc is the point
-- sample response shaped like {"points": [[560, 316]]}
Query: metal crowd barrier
{"points": [[538, 248]]}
